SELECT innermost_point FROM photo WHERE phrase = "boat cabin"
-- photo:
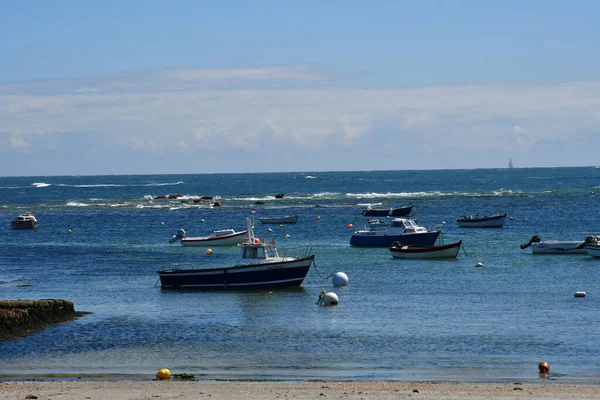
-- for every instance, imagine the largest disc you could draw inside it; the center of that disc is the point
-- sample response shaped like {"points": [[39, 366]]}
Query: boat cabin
{"points": [[397, 224], [254, 253]]}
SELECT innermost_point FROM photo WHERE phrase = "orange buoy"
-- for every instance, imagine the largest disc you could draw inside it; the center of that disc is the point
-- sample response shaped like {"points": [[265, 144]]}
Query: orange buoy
{"points": [[257, 240], [208, 251], [318, 218], [544, 367], [350, 226]]}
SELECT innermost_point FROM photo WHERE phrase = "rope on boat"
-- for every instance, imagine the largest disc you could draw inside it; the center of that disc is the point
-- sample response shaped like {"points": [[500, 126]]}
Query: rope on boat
{"points": [[158, 280], [323, 277]]}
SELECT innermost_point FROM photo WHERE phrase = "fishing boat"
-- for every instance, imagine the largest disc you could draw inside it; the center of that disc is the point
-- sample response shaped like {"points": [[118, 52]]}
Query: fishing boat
{"points": [[486, 221], [410, 251], [260, 266], [386, 232], [387, 212], [218, 237], [24, 221], [539, 246], [288, 219]]}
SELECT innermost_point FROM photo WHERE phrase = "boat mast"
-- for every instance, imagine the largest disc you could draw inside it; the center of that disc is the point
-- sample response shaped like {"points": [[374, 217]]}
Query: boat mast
{"points": [[250, 225]]}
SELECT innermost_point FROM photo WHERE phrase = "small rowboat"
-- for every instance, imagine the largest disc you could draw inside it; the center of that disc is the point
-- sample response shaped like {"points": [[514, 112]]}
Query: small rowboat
{"points": [[539, 246], [387, 212], [477, 221], [288, 219], [410, 251], [219, 237]]}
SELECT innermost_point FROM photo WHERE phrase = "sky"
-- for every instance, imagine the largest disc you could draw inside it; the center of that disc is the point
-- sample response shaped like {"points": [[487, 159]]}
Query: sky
{"points": [[160, 87]]}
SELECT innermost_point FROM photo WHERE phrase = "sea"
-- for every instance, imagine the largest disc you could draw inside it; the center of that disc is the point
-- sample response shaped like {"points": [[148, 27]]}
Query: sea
{"points": [[101, 240]]}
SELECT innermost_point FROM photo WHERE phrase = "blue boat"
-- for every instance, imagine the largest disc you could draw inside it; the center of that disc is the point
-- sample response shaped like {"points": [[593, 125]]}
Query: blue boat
{"points": [[405, 231], [387, 212], [260, 267]]}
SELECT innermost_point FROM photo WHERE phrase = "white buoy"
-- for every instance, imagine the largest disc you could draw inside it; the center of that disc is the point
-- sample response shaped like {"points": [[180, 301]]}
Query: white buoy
{"points": [[330, 299], [580, 294], [270, 230], [340, 279], [202, 221], [479, 265], [287, 236]]}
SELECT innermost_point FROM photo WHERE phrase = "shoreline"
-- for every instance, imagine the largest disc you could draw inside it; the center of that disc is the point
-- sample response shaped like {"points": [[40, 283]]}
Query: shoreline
{"points": [[351, 390]]}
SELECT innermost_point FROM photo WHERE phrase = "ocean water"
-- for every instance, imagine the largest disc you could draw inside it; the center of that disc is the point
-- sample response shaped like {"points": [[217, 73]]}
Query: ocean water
{"points": [[101, 239]]}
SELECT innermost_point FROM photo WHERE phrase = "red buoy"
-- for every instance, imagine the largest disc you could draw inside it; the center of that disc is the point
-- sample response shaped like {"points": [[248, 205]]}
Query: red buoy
{"points": [[544, 367]]}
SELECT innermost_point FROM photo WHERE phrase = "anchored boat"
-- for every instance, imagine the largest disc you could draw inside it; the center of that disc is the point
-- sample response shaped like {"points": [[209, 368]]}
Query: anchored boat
{"points": [[402, 230], [410, 251], [260, 266], [219, 237]]}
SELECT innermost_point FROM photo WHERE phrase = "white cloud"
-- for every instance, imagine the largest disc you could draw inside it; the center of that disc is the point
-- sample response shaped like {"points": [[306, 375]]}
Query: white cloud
{"points": [[172, 112], [19, 143]]}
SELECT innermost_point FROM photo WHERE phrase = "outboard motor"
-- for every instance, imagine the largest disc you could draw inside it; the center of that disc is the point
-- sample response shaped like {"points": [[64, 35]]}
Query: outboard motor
{"points": [[180, 235], [534, 239], [589, 240]]}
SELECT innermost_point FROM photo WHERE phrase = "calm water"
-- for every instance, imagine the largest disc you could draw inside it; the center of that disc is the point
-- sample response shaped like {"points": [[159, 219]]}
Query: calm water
{"points": [[397, 319]]}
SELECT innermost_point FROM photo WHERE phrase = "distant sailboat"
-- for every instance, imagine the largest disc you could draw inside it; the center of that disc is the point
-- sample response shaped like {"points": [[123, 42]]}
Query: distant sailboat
{"points": [[510, 166]]}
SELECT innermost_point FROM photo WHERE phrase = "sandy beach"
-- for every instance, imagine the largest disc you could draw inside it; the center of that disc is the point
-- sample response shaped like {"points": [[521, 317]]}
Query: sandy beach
{"points": [[349, 390]]}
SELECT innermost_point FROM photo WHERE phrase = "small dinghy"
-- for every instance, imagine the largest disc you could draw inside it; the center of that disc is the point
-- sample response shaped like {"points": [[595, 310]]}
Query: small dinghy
{"points": [[539, 246], [486, 221], [399, 250], [219, 237]]}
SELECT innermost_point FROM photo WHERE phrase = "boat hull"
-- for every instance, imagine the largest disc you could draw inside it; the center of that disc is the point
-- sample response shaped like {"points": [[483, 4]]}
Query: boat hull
{"points": [[290, 219], [385, 212], [422, 252], [593, 250], [23, 225], [257, 276], [226, 240], [496, 221], [558, 247], [371, 239]]}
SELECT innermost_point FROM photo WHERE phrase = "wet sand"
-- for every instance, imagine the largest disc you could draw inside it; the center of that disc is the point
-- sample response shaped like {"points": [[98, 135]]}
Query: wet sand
{"points": [[348, 390]]}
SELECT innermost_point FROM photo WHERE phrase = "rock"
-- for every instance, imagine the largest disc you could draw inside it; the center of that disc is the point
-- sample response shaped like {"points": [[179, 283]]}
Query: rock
{"points": [[18, 317]]}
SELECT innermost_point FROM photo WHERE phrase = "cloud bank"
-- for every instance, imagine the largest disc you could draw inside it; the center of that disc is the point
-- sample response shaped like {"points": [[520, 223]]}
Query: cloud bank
{"points": [[292, 118]]}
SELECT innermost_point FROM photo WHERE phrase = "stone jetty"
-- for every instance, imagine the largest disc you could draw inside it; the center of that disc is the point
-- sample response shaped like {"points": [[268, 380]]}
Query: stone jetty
{"points": [[18, 317]]}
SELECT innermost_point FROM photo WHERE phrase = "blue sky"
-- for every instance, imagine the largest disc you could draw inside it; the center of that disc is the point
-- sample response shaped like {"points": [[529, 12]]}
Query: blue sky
{"points": [[136, 87]]}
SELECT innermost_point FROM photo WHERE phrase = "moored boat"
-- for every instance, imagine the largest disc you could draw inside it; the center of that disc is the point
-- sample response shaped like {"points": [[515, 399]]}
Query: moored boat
{"points": [[402, 230], [486, 221], [288, 219], [539, 246], [259, 266], [415, 252], [24, 221], [219, 237], [387, 212]]}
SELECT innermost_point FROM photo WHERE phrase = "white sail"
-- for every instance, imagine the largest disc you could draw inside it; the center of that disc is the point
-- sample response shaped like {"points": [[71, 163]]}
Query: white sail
{"points": [[510, 164]]}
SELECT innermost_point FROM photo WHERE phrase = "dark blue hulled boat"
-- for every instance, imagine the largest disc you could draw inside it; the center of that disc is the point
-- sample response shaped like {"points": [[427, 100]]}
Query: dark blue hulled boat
{"points": [[259, 266], [387, 212], [402, 230]]}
